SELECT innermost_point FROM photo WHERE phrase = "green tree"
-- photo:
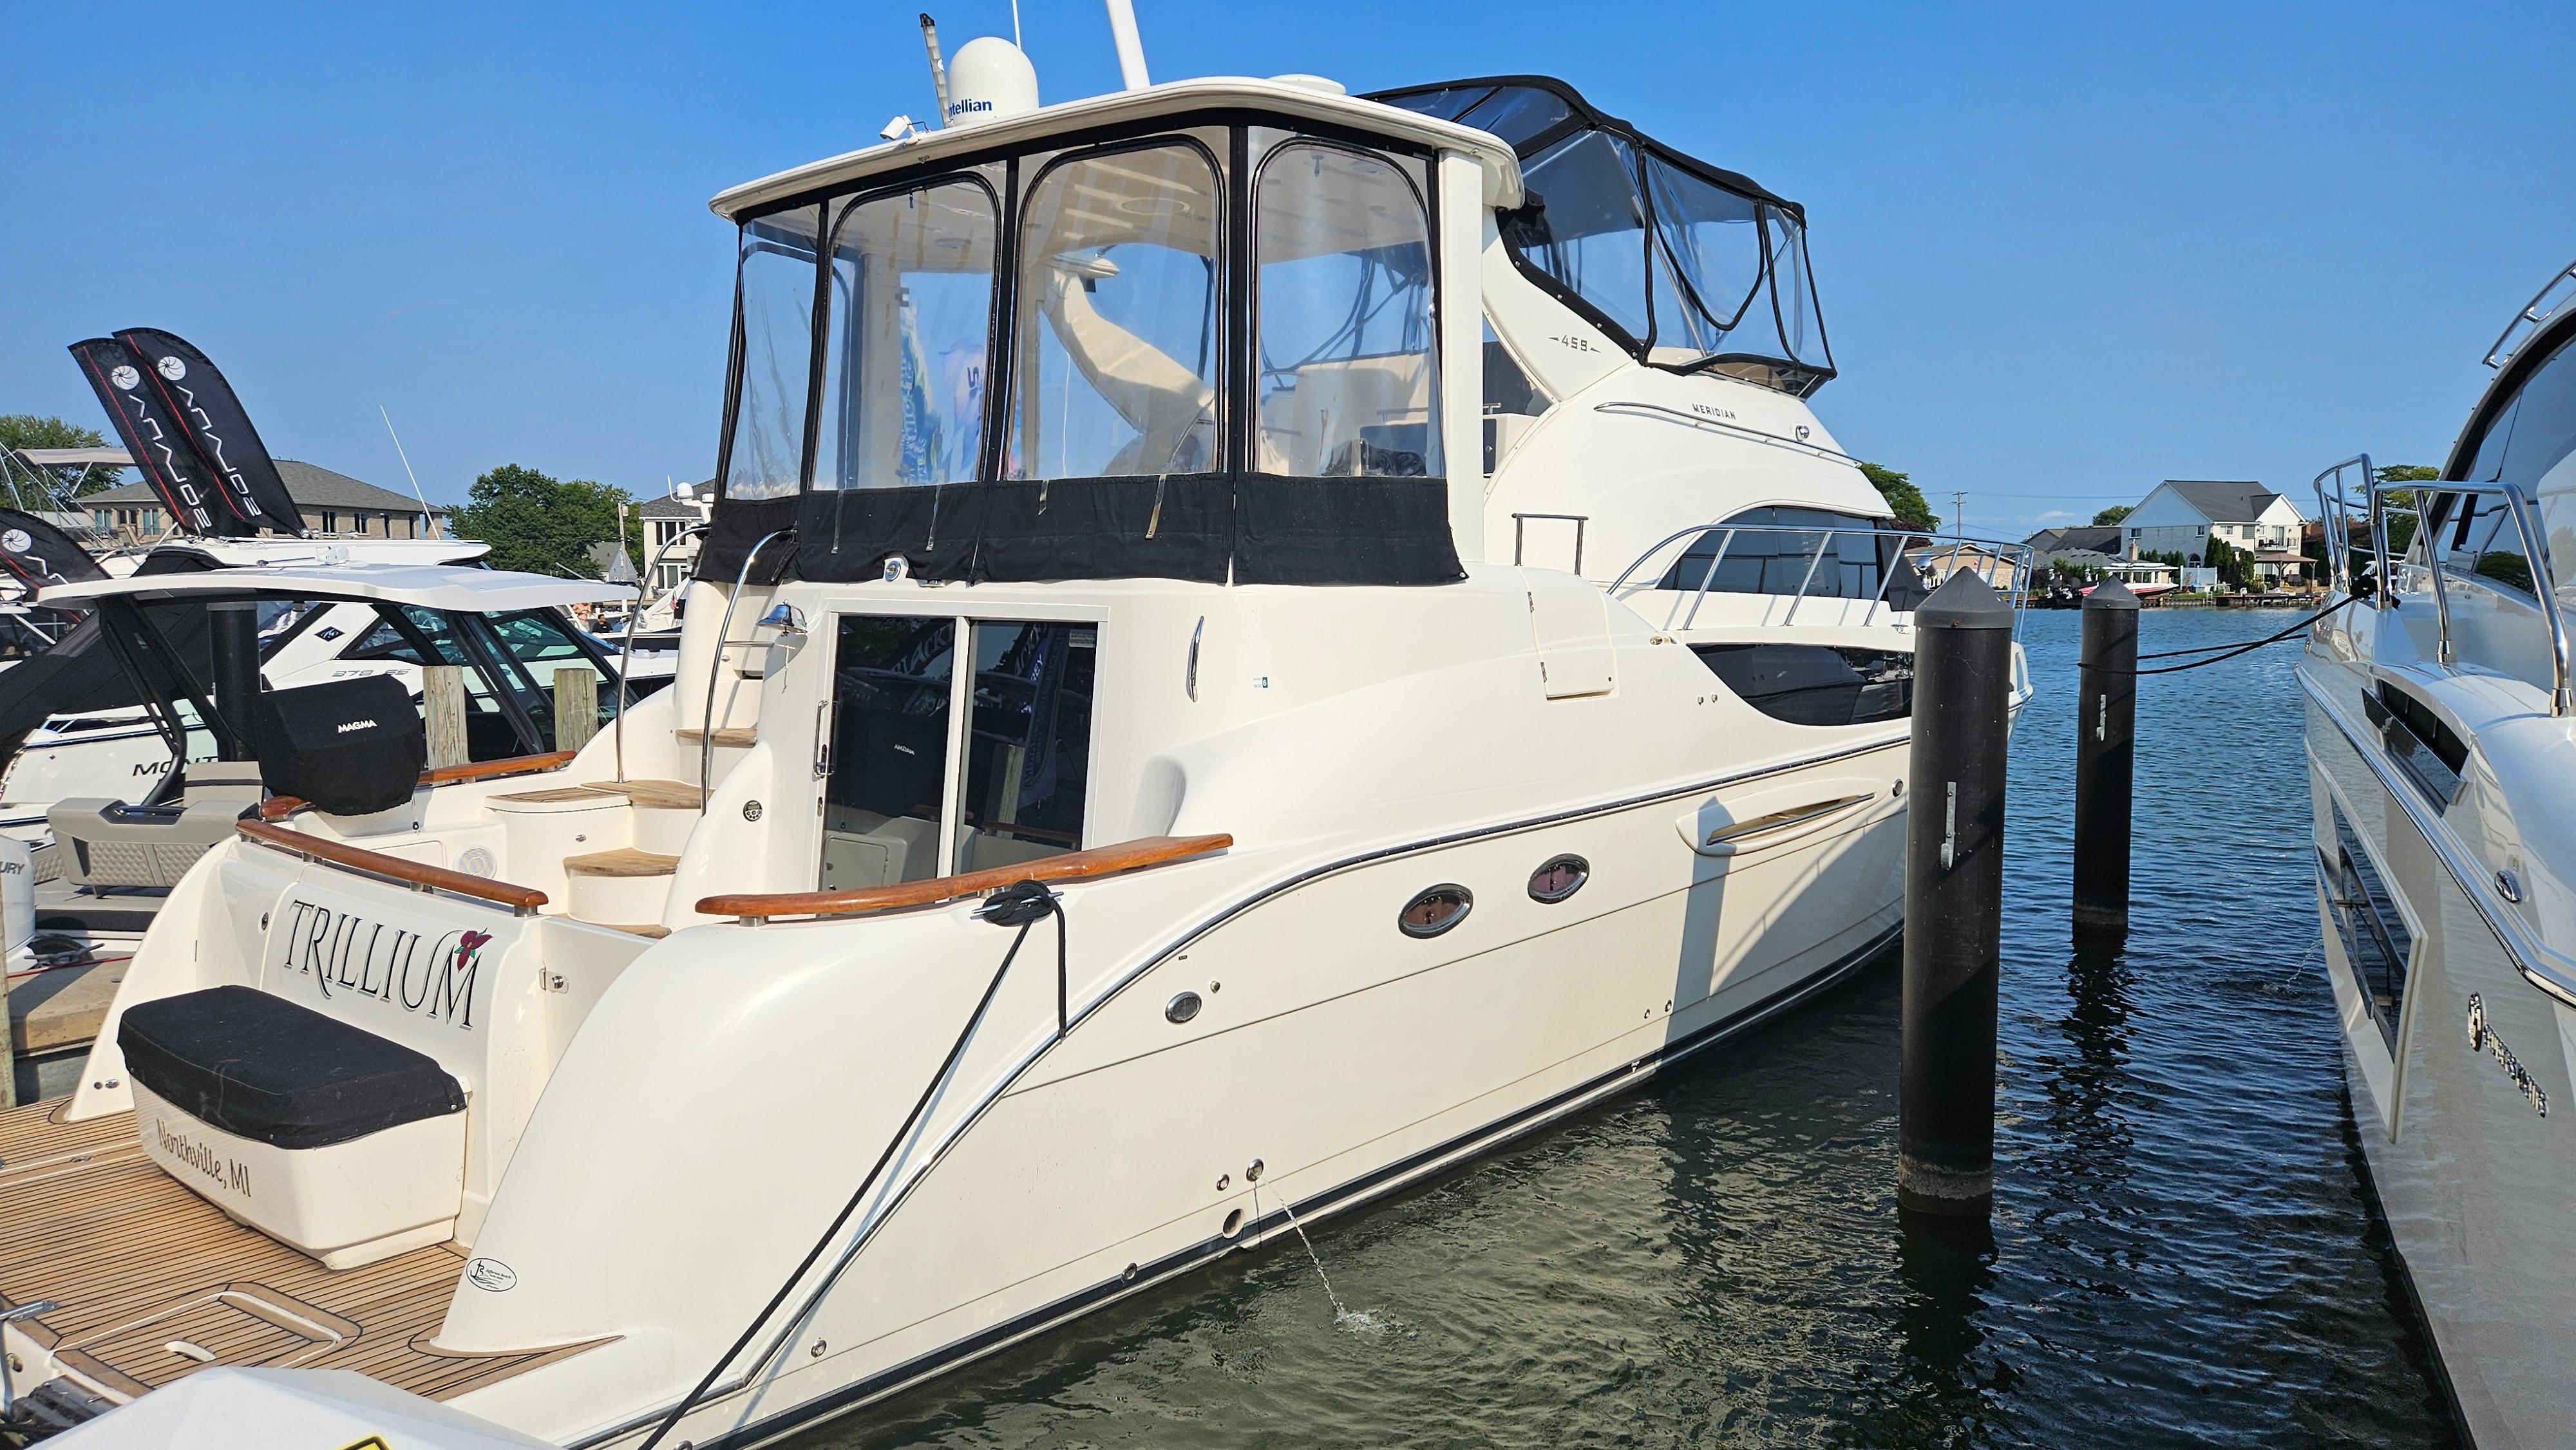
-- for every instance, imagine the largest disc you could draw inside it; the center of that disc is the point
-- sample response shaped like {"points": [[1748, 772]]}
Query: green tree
{"points": [[1903, 499], [542, 524], [2114, 514], [27, 430], [2406, 473]]}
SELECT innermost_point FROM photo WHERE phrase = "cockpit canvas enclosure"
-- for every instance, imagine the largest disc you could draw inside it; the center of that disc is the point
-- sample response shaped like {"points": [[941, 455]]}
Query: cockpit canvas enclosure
{"points": [[1192, 336], [1689, 266]]}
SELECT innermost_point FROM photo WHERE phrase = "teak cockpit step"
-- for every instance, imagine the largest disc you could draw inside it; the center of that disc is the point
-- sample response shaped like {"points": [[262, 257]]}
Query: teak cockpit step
{"points": [[624, 861], [731, 735], [669, 795], [139, 1263]]}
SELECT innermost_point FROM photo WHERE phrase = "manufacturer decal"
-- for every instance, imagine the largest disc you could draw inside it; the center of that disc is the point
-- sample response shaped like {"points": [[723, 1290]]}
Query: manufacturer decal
{"points": [[2482, 1038], [492, 1275], [172, 368], [17, 541], [125, 377], [347, 955], [355, 725]]}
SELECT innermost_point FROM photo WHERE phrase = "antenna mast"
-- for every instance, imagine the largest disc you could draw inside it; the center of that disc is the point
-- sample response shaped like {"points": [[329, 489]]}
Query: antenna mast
{"points": [[1131, 47], [428, 516], [938, 69]]}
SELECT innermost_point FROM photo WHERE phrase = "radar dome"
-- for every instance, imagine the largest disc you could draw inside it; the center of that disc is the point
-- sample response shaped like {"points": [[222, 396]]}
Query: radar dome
{"points": [[990, 78]]}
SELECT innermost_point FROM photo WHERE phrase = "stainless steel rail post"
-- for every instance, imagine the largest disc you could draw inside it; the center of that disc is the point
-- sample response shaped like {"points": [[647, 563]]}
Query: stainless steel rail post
{"points": [[2544, 587], [715, 667], [626, 659]]}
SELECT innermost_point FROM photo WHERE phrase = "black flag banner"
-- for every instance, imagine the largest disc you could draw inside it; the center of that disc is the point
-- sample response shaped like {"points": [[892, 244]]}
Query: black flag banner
{"points": [[36, 553], [217, 425], [159, 446]]}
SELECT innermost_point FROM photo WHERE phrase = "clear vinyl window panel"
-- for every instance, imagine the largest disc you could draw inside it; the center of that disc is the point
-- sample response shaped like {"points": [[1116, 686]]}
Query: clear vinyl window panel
{"points": [[2367, 925], [907, 338], [774, 336], [1028, 743], [2530, 443], [884, 796], [1347, 360], [1119, 327]]}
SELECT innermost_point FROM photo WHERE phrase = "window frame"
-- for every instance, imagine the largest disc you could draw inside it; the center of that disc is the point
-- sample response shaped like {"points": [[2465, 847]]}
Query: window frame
{"points": [[1425, 196], [961, 706], [994, 311]]}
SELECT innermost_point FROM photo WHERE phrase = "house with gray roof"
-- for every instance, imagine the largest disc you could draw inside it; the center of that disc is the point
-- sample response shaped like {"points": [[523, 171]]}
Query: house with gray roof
{"points": [[665, 519], [332, 504], [2182, 515]]}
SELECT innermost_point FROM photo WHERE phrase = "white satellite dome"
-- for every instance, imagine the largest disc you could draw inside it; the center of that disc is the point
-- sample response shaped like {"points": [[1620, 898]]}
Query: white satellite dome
{"points": [[989, 79]]}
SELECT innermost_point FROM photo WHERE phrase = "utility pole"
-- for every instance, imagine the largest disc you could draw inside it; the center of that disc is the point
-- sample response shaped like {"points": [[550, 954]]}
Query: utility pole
{"points": [[1959, 513]]}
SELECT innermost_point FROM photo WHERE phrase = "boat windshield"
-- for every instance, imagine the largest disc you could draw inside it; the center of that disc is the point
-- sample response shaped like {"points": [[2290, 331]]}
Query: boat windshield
{"points": [[1690, 267]]}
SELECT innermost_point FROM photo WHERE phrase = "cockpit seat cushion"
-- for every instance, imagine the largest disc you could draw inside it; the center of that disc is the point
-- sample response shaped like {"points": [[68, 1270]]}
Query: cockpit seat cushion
{"points": [[348, 747], [263, 1068]]}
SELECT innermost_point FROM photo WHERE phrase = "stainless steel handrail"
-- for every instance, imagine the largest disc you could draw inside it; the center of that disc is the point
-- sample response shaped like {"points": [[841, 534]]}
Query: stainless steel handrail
{"points": [[2334, 510], [715, 667], [1520, 524], [2532, 543], [634, 621], [2000, 558]]}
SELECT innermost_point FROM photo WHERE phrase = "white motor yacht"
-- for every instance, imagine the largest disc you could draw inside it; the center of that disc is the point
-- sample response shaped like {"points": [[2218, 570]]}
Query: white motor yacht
{"points": [[2442, 759], [1255, 643]]}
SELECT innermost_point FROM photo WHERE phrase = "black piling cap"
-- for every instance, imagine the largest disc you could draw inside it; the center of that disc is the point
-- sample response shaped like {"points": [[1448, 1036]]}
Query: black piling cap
{"points": [[1963, 602], [2110, 594]]}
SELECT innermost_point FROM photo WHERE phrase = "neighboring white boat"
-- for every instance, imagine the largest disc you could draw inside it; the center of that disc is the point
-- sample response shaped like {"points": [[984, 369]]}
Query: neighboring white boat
{"points": [[2442, 759], [1442, 685]]}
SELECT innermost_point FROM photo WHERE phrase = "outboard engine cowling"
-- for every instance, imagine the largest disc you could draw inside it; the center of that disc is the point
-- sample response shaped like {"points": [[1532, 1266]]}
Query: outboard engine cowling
{"points": [[348, 747]]}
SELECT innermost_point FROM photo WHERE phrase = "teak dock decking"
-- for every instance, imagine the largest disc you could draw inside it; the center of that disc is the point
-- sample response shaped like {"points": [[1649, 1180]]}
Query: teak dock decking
{"points": [[139, 1262]]}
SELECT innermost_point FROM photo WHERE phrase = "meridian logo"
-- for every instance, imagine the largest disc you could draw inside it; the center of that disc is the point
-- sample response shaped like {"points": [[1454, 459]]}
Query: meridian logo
{"points": [[355, 725]]}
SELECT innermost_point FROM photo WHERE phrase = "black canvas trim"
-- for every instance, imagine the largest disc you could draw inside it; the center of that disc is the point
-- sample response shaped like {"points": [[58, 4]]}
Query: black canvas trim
{"points": [[846, 535], [739, 524], [1344, 531], [1107, 528]]}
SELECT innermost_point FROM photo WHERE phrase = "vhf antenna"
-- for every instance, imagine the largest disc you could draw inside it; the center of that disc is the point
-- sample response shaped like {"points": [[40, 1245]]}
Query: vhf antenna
{"points": [[939, 68], [426, 516]]}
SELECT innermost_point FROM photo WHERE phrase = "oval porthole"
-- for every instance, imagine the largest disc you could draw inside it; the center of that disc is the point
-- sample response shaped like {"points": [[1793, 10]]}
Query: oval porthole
{"points": [[1559, 878], [1435, 910], [1181, 1008]]}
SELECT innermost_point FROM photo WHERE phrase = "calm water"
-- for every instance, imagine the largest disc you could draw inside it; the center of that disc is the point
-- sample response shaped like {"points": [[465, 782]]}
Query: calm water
{"points": [[2181, 1254]]}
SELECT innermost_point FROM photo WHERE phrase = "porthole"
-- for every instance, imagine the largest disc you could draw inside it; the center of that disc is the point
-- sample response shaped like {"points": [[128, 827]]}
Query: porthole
{"points": [[1559, 878], [1435, 910], [1181, 1008]]}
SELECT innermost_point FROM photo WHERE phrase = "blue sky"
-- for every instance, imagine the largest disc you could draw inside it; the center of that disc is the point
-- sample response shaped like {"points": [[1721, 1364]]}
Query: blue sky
{"points": [[2064, 250]]}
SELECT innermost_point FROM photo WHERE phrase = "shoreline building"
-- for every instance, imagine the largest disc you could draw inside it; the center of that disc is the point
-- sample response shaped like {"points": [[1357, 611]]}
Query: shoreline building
{"points": [[2181, 516], [334, 505]]}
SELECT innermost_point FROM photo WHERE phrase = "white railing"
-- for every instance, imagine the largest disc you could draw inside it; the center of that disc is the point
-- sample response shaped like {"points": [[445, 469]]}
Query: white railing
{"points": [[2391, 572], [2007, 568]]}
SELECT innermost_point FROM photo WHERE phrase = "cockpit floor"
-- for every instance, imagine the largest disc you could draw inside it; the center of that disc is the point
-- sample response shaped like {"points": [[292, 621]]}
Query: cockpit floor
{"points": [[141, 1267]]}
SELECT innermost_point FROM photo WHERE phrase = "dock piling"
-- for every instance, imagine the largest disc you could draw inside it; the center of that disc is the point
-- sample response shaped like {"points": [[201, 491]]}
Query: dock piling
{"points": [[1954, 882], [2105, 759]]}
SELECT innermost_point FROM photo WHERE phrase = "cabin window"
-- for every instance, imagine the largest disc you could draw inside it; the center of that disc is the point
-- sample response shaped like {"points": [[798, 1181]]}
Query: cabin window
{"points": [[1119, 325], [2530, 441], [907, 338], [1347, 375], [773, 356], [2367, 925], [1814, 684], [1028, 743], [883, 801], [1796, 550]]}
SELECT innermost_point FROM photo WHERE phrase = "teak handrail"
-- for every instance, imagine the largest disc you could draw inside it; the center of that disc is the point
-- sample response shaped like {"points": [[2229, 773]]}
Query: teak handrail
{"points": [[277, 807], [754, 908], [415, 874]]}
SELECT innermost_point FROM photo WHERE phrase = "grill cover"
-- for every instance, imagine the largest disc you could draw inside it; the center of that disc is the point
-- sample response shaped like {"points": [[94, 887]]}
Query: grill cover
{"points": [[263, 1068], [350, 747]]}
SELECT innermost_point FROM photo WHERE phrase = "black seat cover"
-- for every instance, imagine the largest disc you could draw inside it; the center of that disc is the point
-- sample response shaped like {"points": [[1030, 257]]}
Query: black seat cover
{"points": [[349, 747], [263, 1068]]}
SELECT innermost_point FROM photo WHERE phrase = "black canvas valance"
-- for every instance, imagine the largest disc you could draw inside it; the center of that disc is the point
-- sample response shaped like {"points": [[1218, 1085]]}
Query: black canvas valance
{"points": [[1254, 529]]}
